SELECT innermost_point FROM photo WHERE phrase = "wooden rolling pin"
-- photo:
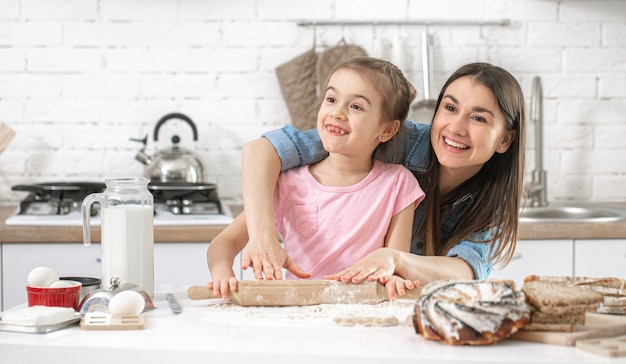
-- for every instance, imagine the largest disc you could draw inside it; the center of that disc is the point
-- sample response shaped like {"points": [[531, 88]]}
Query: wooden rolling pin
{"points": [[302, 293]]}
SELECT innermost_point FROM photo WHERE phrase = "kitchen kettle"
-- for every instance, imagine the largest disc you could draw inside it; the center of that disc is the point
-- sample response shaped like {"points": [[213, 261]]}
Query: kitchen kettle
{"points": [[174, 164]]}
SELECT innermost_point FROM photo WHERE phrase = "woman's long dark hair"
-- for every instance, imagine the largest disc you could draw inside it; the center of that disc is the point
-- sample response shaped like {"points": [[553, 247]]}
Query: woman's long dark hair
{"points": [[499, 182]]}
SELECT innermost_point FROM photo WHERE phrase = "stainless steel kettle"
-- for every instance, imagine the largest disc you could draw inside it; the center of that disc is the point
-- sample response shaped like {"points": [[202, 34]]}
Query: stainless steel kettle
{"points": [[174, 164]]}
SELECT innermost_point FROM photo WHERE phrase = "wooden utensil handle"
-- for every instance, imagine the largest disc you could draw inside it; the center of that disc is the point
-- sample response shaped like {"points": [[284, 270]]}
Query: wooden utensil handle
{"points": [[200, 293]]}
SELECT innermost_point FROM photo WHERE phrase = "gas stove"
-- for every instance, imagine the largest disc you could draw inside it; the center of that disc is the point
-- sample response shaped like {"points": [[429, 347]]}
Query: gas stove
{"points": [[59, 204]]}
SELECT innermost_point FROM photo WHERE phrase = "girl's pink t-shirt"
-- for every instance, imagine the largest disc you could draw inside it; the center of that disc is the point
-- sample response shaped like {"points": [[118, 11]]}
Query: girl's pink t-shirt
{"points": [[327, 228]]}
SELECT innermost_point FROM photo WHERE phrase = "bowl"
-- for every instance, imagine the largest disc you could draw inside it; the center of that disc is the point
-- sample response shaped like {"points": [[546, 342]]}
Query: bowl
{"points": [[89, 284], [61, 296]]}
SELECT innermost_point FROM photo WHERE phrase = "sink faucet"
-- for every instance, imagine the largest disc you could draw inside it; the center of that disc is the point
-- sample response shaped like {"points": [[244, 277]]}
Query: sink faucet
{"points": [[537, 191]]}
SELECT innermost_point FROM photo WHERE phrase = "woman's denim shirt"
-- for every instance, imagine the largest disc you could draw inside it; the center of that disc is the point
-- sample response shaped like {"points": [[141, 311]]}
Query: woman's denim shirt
{"points": [[297, 148]]}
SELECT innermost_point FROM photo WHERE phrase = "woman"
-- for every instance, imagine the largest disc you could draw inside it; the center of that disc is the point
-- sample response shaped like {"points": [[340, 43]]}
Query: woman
{"points": [[469, 161]]}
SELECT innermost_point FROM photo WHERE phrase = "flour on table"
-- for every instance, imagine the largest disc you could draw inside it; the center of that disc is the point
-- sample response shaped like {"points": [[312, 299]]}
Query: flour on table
{"points": [[366, 320], [224, 312]]}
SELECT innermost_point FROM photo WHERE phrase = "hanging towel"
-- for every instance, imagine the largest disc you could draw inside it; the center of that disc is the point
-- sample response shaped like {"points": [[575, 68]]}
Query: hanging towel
{"points": [[330, 58], [297, 80], [6, 135]]}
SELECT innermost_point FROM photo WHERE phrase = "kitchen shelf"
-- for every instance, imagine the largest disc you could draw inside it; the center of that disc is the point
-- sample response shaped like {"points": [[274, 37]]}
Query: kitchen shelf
{"points": [[446, 22]]}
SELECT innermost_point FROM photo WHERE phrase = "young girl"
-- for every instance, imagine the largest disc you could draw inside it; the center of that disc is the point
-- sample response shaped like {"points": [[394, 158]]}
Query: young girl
{"points": [[332, 213], [469, 161]]}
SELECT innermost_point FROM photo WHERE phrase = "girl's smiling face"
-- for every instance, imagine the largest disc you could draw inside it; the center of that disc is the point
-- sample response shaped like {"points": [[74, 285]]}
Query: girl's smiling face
{"points": [[349, 120], [468, 128]]}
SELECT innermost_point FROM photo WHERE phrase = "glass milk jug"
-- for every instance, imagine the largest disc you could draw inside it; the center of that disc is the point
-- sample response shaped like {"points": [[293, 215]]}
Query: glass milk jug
{"points": [[127, 231]]}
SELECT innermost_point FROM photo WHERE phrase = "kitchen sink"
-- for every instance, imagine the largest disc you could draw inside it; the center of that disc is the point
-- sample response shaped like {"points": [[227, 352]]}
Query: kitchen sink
{"points": [[574, 213]]}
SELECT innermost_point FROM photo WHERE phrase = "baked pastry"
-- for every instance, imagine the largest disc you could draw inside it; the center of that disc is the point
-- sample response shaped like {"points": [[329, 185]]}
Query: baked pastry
{"points": [[470, 312]]}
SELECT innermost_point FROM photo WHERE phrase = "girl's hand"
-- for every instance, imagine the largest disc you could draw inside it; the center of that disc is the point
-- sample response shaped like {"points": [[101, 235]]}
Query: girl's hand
{"points": [[378, 265], [397, 286], [267, 259], [221, 287]]}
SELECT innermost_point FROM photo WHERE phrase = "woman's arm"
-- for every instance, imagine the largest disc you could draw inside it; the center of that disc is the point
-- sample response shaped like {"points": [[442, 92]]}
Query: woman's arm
{"points": [[383, 263], [260, 169], [431, 268]]}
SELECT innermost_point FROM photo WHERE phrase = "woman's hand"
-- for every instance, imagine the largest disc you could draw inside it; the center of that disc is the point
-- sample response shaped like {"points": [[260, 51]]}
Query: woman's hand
{"points": [[378, 265], [397, 286], [267, 259], [221, 287]]}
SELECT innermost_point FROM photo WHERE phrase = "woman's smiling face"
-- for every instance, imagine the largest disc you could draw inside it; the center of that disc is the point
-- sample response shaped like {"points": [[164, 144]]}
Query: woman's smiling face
{"points": [[468, 128]]}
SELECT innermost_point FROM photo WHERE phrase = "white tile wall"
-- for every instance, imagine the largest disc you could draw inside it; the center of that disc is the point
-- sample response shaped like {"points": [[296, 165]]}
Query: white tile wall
{"points": [[78, 78]]}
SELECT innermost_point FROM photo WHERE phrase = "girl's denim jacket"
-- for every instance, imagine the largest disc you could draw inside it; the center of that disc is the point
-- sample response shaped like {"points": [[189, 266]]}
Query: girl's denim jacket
{"points": [[297, 148]]}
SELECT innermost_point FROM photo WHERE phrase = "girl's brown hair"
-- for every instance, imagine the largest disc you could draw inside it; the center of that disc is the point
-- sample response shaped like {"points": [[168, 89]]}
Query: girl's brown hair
{"points": [[397, 93], [499, 182]]}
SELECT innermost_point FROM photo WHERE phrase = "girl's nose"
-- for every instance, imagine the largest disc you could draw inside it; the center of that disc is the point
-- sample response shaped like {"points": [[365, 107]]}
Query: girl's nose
{"points": [[336, 114]]}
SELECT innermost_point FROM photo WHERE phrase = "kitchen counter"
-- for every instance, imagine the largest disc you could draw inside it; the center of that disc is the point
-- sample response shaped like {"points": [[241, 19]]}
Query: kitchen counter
{"points": [[191, 338], [205, 233], [74, 234]]}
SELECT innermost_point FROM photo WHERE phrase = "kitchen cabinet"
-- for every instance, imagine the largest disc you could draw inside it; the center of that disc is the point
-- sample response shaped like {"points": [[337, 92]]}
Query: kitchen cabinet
{"points": [[184, 264], [577, 257], [65, 259], [0, 277], [542, 257], [174, 264], [600, 258]]}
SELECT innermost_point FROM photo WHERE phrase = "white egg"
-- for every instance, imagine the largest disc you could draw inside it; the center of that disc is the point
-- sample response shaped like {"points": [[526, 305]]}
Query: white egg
{"points": [[42, 277], [127, 303], [64, 283]]}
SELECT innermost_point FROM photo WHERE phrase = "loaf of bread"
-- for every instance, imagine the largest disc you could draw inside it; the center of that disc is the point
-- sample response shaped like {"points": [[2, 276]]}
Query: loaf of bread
{"points": [[557, 306], [545, 295], [582, 281], [612, 288], [470, 312]]}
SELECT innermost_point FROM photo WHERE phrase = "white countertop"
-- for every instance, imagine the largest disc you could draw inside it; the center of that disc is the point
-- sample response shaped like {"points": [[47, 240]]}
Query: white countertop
{"points": [[192, 337]]}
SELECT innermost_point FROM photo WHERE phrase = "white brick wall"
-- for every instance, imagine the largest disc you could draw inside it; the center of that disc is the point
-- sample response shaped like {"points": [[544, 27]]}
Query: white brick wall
{"points": [[78, 78]]}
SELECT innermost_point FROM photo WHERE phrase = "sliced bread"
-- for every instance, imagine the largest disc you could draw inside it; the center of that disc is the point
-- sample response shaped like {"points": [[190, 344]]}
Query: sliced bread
{"points": [[549, 327], [544, 293], [539, 317], [608, 282]]}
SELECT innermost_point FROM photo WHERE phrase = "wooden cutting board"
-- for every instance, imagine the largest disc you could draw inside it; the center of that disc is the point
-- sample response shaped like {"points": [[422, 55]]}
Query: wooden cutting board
{"points": [[106, 321], [605, 347], [302, 293], [596, 326]]}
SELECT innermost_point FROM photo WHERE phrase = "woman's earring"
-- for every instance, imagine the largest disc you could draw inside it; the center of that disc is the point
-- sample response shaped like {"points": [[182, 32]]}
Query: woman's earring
{"points": [[382, 137]]}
